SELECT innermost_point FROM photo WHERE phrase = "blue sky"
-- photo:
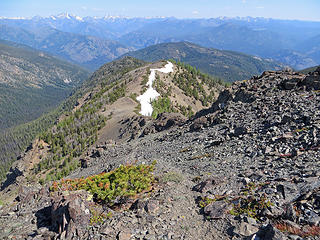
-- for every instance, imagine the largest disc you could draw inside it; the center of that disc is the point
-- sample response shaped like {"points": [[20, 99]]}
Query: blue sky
{"points": [[282, 9]]}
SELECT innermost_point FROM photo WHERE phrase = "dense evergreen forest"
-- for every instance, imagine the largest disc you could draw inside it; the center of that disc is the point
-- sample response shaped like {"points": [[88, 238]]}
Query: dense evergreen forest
{"points": [[33, 83]]}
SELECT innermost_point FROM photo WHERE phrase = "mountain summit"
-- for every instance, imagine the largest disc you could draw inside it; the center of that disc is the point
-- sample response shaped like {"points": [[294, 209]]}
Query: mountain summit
{"points": [[67, 16], [244, 167]]}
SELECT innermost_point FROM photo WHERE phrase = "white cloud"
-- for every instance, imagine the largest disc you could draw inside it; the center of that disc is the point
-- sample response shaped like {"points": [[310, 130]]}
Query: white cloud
{"points": [[260, 7], [244, 1], [84, 8], [195, 12]]}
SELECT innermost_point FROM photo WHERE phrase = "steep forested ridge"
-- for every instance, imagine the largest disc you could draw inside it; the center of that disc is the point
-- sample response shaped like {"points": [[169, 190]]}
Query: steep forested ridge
{"points": [[32, 83], [229, 66], [85, 119]]}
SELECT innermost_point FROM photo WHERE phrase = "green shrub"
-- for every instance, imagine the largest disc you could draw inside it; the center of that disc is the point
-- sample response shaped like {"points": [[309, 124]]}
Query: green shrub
{"points": [[112, 187], [249, 202], [162, 104]]}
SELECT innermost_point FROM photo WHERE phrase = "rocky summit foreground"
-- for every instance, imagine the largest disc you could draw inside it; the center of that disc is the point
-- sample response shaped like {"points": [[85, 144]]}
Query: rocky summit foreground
{"points": [[246, 168]]}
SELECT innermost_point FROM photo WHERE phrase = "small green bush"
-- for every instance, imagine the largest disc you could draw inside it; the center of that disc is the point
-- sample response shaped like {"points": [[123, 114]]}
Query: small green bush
{"points": [[250, 203], [112, 187]]}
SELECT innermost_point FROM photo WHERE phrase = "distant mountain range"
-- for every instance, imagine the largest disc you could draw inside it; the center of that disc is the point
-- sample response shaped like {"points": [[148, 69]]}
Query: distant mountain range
{"points": [[236, 36], [87, 51], [227, 65], [108, 27], [311, 47], [92, 41], [32, 82]]}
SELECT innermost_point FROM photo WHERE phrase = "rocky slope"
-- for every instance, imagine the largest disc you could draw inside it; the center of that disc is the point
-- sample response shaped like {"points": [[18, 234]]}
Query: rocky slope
{"points": [[246, 168]]}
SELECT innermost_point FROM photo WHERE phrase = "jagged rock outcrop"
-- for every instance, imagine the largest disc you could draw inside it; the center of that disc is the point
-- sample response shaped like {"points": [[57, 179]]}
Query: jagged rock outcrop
{"points": [[139, 126], [70, 214], [312, 81]]}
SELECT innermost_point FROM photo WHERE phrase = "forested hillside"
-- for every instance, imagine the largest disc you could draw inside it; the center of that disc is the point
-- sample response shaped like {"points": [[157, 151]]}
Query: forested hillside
{"points": [[14, 140], [227, 65], [87, 51], [32, 83], [307, 70]]}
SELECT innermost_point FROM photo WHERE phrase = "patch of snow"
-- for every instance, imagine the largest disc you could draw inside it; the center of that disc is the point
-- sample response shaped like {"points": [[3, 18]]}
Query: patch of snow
{"points": [[167, 68], [79, 18], [224, 18], [67, 16], [63, 16], [67, 80], [151, 94], [111, 17]]}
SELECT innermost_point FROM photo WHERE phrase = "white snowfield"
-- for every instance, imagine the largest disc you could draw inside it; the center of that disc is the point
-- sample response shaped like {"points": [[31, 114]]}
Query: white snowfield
{"points": [[151, 94], [67, 80]]}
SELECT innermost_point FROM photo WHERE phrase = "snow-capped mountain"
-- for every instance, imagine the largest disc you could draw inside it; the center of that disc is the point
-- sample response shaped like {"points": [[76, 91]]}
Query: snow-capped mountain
{"points": [[263, 37], [66, 16]]}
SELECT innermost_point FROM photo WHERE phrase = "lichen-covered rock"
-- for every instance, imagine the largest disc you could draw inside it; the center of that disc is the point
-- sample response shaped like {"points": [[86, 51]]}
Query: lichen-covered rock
{"points": [[167, 120], [70, 213], [217, 210]]}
